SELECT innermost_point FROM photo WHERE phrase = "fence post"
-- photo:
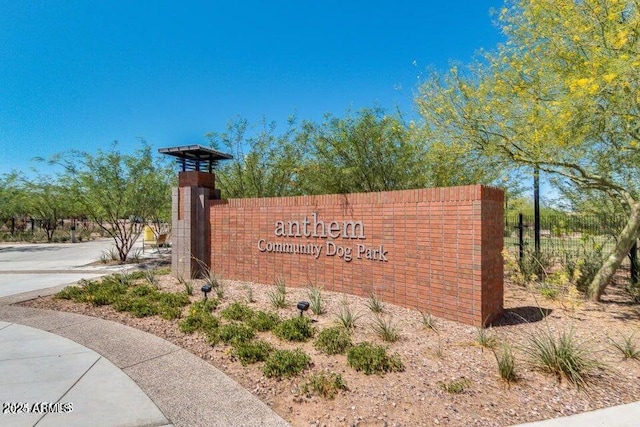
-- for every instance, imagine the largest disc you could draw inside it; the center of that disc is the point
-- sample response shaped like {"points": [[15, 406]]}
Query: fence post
{"points": [[633, 256], [520, 228]]}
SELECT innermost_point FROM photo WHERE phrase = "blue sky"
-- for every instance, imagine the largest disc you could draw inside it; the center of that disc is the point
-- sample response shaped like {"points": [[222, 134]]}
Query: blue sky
{"points": [[81, 74]]}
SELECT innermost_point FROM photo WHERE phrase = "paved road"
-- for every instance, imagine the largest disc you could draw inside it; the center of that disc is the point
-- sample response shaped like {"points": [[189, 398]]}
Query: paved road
{"points": [[29, 267]]}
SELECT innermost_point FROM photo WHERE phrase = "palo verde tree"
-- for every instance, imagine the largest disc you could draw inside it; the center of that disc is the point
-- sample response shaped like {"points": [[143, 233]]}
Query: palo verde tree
{"points": [[562, 94], [115, 190]]}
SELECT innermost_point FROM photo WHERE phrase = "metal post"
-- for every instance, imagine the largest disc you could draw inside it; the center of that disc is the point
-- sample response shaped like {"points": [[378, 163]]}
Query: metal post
{"points": [[520, 237]]}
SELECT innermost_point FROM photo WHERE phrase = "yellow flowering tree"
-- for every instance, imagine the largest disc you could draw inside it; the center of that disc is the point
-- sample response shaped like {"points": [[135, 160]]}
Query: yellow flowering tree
{"points": [[562, 94]]}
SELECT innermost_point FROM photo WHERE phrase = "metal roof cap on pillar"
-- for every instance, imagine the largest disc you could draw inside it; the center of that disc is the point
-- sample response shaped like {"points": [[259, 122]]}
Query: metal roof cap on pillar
{"points": [[196, 157]]}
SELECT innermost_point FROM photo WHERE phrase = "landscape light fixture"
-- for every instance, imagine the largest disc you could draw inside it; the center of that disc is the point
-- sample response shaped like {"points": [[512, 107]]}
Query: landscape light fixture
{"points": [[205, 290], [303, 306]]}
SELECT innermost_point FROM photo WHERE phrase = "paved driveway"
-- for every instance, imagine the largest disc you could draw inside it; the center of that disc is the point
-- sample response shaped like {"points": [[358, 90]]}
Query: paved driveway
{"points": [[30, 267]]}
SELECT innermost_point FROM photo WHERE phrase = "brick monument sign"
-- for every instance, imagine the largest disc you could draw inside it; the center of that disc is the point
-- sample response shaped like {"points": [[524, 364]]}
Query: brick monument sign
{"points": [[435, 249]]}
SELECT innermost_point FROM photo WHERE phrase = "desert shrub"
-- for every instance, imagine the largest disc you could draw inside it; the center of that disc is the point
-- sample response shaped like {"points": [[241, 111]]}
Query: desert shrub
{"points": [[346, 317], [627, 347], [372, 359], [506, 364], [142, 307], [333, 340], [278, 296], [263, 321], [237, 311], [235, 333], [294, 329], [386, 330], [188, 287], [375, 304], [150, 276], [249, 352], [74, 293], [104, 292], [142, 291], [316, 303], [170, 313], [249, 290], [484, 339], [429, 322], [325, 385], [562, 356], [200, 317], [173, 299], [583, 265], [455, 386], [286, 363]]}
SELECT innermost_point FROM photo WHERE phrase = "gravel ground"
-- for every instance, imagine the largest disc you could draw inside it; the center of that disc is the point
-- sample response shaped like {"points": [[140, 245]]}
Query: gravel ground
{"points": [[416, 396]]}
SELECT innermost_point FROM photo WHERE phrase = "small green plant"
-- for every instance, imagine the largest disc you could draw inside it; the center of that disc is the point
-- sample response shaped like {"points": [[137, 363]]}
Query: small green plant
{"points": [[346, 317], [316, 303], [372, 359], [74, 293], [374, 304], [163, 271], [249, 290], [506, 364], [549, 290], [135, 256], [455, 386], [109, 256], [237, 311], [249, 352], [333, 340], [297, 328], [151, 278], [326, 385], [429, 322], [235, 333], [263, 321], [385, 329], [200, 317], [188, 288], [278, 296], [440, 349], [484, 339], [286, 363], [562, 356], [212, 279], [142, 307], [627, 347]]}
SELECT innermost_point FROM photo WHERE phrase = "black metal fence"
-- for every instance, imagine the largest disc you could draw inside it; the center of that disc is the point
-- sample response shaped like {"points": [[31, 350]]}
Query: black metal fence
{"points": [[565, 235]]}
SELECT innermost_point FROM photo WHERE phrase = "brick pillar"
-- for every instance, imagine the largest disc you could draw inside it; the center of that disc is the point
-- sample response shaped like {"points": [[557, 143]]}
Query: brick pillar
{"points": [[190, 221]]}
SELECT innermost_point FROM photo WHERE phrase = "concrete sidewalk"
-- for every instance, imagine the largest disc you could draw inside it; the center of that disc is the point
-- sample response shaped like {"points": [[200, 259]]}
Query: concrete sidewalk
{"points": [[131, 378], [85, 388]]}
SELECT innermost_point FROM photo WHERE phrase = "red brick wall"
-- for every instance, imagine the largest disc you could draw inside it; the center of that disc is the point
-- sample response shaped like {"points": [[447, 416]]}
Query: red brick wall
{"points": [[443, 247]]}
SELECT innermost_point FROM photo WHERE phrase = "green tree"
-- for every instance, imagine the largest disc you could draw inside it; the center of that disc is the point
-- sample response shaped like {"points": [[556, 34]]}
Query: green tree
{"points": [[265, 164], [11, 197], [115, 190], [561, 94], [362, 152], [47, 201]]}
